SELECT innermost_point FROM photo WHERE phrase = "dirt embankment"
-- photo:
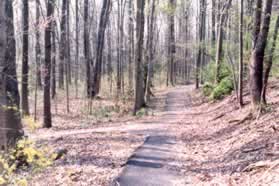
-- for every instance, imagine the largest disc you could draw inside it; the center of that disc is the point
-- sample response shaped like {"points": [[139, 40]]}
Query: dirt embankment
{"points": [[225, 145]]}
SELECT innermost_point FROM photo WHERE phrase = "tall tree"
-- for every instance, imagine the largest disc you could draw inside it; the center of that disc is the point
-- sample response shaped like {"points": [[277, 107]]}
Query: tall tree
{"points": [[121, 4], [240, 84], [109, 56], [100, 46], [87, 49], [259, 44], [171, 42], [38, 46], [62, 46], [269, 61], [68, 56], [47, 65], [139, 87], [150, 50], [219, 47], [213, 22], [131, 48], [53, 61], [25, 56], [201, 39], [77, 47], [10, 123]]}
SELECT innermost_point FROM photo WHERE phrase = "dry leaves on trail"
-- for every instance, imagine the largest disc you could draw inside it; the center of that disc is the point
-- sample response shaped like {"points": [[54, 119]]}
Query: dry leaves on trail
{"points": [[92, 159], [217, 151]]}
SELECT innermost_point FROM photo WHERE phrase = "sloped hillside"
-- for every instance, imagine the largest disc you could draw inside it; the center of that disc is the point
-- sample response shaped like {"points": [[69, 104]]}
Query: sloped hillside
{"points": [[227, 145]]}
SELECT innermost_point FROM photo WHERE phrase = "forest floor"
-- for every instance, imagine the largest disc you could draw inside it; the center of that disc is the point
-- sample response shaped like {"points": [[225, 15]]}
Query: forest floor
{"points": [[217, 143]]}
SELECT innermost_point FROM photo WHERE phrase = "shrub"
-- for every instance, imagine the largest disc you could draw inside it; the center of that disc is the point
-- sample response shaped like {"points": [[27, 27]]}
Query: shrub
{"points": [[142, 112], [207, 89], [24, 155], [30, 123], [225, 87], [210, 72]]}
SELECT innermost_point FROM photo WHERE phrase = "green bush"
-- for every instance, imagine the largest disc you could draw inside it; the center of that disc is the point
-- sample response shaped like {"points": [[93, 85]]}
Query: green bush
{"points": [[209, 72], [24, 155], [207, 89], [142, 112], [225, 87]]}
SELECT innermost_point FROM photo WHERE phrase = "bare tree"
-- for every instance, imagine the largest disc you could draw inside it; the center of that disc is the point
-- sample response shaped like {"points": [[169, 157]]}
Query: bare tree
{"points": [[269, 61], [38, 46], [139, 89], [47, 65], [260, 41], [171, 42], [25, 56], [100, 46], [87, 49], [219, 47], [62, 46], [240, 84], [10, 123]]}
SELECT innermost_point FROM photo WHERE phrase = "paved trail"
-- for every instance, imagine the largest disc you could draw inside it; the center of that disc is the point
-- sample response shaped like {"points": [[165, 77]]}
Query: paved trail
{"points": [[149, 165]]}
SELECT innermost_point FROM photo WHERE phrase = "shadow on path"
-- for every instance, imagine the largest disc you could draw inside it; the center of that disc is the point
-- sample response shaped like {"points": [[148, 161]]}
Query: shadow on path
{"points": [[150, 164]]}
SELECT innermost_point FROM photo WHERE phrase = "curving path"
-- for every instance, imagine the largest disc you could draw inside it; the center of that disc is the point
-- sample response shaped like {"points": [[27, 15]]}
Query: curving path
{"points": [[151, 164]]}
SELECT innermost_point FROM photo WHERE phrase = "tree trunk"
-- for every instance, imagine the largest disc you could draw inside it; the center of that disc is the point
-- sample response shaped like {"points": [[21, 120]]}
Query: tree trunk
{"points": [[68, 58], [150, 51], [201, 38], [100, 46], [10, 123], [38, 46], [47, 65], [139, 89], [53, 62], [25, 55], [213, 22], [63, 47], [77, 48], [219, 50], [109, 57], [131, 44], [270, 60], [171, 44], [87, 49], [240, 81], [258, 52]]}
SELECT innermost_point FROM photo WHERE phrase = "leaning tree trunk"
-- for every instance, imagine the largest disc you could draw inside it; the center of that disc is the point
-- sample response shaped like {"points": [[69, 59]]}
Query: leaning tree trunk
{"points": [[270, 60], [100, 46], [139, 89], [25, 55], [258, 52], [10, 124], [47, 64]]}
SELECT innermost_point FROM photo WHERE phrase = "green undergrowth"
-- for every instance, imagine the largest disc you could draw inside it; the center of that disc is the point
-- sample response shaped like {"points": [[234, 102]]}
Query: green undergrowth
{"points": [[142, 112], [25, 156], [217, 91]]}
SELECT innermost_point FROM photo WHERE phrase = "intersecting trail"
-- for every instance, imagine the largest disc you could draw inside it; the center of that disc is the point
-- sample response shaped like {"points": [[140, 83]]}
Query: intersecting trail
{"points": [[150, 164]]}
